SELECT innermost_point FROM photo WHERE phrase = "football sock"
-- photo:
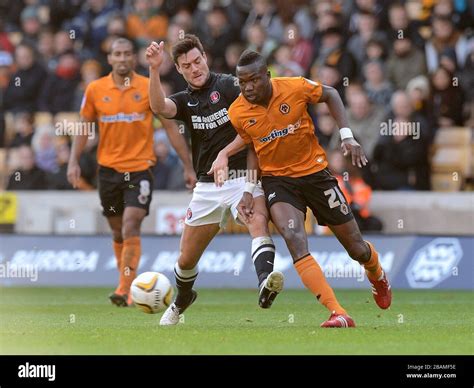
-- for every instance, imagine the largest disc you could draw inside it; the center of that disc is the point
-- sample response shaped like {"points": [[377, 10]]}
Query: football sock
{"points": [[373, 268], [128, 267], [263, 256], [185, 279], [313, 278], [118, 246]]}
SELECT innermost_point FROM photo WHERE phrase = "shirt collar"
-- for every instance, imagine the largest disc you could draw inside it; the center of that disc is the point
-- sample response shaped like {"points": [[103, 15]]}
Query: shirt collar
{"points": [[111, 83]]}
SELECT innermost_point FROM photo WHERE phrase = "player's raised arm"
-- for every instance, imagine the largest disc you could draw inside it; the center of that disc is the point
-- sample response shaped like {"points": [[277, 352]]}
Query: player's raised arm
{"points": [[219, 167], [349, 145], [78, 143], [159, 104], [181, 147]]}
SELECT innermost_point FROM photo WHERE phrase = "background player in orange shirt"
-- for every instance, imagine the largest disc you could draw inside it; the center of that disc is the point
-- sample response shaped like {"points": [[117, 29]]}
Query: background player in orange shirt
{"points": [[120, 105], [271, 114]]}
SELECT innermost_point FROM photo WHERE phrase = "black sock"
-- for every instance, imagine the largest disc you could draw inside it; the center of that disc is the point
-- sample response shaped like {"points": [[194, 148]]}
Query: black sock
{"points": [[184, 283], [263, 256]]}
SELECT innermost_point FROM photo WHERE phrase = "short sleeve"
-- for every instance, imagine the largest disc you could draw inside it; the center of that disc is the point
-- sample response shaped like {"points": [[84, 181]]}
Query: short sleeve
{"points": [[312, 90], [234, 119], [87, 105], [179, 100]]}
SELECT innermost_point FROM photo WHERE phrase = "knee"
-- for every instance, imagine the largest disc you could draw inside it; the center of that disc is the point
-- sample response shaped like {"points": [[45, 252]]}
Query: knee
{"points": [[117, 235], [258, 225], [295, 240], [359, 251], [130, 228]]}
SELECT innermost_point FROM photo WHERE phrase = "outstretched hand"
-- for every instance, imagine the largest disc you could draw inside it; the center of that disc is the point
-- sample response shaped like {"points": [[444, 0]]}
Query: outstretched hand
{"points": [[219, 169], [352, 147]]}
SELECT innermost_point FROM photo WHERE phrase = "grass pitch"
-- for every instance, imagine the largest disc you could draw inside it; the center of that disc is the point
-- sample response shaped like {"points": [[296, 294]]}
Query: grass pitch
{"points": [[82, 321]]}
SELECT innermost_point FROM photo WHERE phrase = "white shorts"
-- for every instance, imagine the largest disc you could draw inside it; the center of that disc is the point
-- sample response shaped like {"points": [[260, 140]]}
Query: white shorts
{"points": [[212, 205]]}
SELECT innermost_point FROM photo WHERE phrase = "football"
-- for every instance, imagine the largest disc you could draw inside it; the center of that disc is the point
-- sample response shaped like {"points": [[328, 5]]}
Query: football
{"points": [[152, 292]]}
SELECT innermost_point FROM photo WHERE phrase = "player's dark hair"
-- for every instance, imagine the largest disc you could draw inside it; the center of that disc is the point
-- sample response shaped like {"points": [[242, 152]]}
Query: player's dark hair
{"points": [[122, 40], [185, 45], [249, 57]]}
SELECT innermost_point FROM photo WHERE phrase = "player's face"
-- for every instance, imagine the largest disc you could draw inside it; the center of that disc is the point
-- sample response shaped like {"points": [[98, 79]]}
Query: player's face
{"points": [[254, 83], [122, 59], [193, 67]]}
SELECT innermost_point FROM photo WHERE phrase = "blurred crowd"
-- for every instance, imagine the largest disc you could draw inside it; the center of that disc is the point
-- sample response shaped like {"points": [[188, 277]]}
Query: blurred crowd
{"points": [[398, 62]]}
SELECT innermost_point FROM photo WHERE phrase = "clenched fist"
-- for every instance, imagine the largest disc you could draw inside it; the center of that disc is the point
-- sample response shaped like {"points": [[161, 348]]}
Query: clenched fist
{"points": [[154, 54]]}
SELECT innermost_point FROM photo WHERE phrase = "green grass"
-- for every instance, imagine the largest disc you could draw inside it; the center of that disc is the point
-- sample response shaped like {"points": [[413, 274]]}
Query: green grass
{"points": [[80, 321]]}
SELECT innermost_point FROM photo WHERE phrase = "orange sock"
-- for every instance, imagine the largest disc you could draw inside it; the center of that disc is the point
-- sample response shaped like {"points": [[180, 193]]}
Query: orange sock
{"points": [[118, 252], [373, 268], [128, 267], [313, 278]]}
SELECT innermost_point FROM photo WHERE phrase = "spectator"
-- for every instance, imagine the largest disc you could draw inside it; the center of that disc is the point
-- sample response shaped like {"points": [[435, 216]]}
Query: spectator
{"points": [[326, 130], [23, 130], [46, 49], [284, 65], [447, 99], [366, 30], [147, 22], [364, 120], [5, 43], [264, 13], [163, 167], [90, 26], [378, 89], [28, 176], [399, 21], [418, 90], [301, 49], [43, 143], [445, 36], [232, 55], [331, 76], [57, 180], [90, 71], [400, 157], [405, 62], [333, 53], [216, 36], [30, 25], [259, 41], [375, 50], [60, 88], [26, 83]]}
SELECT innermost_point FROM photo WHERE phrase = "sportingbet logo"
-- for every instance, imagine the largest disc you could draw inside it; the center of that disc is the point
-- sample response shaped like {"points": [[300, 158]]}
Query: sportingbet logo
{"points": [[276, 133], [434, 263]]}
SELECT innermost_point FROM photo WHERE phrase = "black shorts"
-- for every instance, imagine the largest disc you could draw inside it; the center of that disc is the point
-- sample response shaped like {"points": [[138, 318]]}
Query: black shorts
{"points": [[319, 191], [118, 190]]}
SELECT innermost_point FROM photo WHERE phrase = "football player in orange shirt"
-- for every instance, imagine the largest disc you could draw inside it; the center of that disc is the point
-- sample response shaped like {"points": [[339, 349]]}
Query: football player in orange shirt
{"points": [[271, 116], [119, 103]]}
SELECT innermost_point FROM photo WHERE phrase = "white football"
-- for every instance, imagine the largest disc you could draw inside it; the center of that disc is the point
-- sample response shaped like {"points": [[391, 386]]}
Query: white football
{"points": [[152, 292]]}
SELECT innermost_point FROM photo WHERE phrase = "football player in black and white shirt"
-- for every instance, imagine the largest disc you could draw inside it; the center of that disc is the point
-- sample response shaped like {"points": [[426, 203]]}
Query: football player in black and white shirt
{"points": [[203, 108]]}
